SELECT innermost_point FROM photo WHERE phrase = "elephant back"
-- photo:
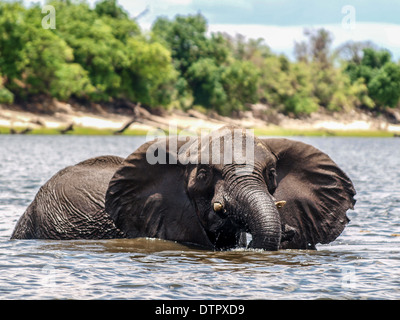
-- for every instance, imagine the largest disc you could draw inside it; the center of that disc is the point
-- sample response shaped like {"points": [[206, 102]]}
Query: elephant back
{"points": [[71, 204]]}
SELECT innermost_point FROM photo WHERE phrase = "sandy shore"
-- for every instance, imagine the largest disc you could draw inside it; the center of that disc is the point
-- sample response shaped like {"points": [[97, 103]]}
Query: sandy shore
{"points": [[193, 120]]}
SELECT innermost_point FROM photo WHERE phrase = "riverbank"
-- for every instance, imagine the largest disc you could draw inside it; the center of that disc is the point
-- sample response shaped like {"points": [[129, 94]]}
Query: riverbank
{"points": [[66, 119]]}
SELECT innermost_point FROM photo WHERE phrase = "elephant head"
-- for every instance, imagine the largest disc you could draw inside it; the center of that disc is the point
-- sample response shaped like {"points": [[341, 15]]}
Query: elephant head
{"points": [[210, 190]]}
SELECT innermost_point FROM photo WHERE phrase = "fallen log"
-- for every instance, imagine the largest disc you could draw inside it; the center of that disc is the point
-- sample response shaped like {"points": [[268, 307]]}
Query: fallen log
{"points": [[67, 129]]}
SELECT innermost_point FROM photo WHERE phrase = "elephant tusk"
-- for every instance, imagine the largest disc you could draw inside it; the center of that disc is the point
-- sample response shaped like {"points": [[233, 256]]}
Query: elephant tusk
{"points": [[280, 204], [217, 206]]}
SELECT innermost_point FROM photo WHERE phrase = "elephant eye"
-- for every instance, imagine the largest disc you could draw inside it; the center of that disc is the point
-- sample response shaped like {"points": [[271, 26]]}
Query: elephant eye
{"points": [[202, 174], [202, 182], [199, 180]]}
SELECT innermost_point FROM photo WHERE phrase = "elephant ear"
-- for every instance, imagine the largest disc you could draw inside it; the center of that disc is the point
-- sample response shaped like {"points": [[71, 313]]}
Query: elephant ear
{"points": [[147, 196], [317, 193]]}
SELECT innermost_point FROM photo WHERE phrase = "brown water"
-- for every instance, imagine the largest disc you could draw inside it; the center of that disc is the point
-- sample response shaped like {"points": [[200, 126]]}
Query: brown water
{"points": [[363, 263]]}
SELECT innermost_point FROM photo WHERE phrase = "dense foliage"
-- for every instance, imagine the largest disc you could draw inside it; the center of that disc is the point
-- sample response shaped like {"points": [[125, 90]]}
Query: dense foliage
{"points": [[100, 54]]}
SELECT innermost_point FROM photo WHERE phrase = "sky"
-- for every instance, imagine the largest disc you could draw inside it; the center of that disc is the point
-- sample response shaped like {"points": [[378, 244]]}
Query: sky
{"points": [[281, 22]]}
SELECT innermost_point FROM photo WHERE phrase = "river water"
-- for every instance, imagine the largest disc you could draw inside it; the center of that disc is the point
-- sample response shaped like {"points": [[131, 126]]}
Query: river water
{"points": [[363, 263]]}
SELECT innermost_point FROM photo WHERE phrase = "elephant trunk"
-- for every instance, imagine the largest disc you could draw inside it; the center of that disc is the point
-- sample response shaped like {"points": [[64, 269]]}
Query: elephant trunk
{"points": [[259, 213], [263, 221]]}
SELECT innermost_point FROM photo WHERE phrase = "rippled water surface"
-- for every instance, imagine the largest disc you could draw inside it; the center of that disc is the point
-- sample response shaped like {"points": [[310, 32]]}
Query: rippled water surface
{"points": [[363, 263]]}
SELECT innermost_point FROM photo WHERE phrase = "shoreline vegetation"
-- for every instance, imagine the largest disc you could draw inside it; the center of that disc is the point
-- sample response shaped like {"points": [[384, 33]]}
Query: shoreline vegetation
{"points": [[101, 74]]}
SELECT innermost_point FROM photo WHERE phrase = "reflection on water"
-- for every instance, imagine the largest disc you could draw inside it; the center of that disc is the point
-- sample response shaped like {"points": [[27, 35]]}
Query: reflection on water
{"points": [[363, 263]]}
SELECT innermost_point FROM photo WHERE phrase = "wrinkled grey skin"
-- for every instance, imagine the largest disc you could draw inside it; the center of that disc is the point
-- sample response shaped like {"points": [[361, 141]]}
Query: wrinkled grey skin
{"points": [[71, 204], [207, 204]]}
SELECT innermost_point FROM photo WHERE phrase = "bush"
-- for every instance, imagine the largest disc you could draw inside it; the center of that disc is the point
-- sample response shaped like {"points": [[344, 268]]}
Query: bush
{"points": [[380, 75], [300, 104], [384, 87]]}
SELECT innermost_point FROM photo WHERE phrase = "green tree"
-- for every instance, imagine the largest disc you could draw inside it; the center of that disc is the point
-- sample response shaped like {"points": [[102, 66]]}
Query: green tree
{"points": [[114, 16], [12, 42], [384, 87], [185, 36], [110, 8], [70, 80], [49, 69], [300, 99], [207, 67], [287, 86], [223, 88], [276, 84], [94, 47], [240, 82], [380, 75], [204, 78], [40, 60], [149, 76], [119, 61], [332, 88]]}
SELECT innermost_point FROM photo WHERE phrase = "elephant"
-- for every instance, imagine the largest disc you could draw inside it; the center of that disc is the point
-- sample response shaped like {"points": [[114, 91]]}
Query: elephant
{"points": [[206, 191]]}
